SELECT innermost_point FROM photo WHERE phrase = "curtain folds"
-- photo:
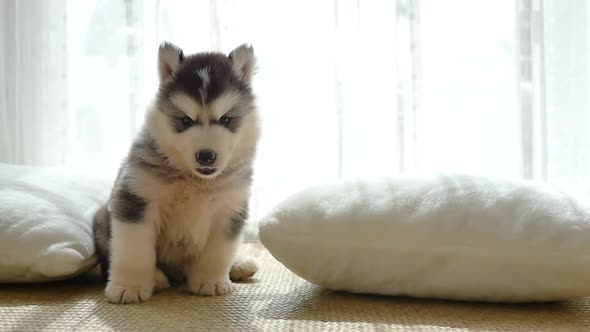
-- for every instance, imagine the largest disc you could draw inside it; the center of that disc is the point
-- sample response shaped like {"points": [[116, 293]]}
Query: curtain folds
{"points": [[346, 88]]}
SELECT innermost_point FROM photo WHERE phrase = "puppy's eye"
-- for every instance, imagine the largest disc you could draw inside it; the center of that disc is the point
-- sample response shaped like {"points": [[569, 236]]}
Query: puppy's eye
{"points": [[225, 120], [186, 121]]}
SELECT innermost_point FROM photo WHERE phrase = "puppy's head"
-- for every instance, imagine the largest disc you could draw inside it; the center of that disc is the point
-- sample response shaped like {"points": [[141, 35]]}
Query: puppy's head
{"points": [[203, 117]]}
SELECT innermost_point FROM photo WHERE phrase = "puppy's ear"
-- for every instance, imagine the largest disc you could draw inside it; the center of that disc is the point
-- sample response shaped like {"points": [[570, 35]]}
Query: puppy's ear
{"points": [[243, 61], [170, 57]]}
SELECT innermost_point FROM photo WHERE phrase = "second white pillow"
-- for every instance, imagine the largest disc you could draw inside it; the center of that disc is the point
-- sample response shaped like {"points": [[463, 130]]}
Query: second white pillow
{"points": [[443, 236]]}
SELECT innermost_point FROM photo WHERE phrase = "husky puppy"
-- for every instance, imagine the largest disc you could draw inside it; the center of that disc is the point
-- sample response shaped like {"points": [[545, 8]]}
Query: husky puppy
{"points": [[180, 199]]}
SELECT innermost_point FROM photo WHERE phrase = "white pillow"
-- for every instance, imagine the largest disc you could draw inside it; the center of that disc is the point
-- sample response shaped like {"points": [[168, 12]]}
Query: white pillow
{"points": [[440, 236], [45, 222]]}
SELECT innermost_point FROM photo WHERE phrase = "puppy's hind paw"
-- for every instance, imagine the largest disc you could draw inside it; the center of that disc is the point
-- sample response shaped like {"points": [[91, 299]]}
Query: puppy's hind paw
{"points": [[243, 268], [160, 281]]}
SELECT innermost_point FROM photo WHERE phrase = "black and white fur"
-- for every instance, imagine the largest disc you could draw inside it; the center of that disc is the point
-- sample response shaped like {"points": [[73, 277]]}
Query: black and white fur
{"points": [[181, 197]]}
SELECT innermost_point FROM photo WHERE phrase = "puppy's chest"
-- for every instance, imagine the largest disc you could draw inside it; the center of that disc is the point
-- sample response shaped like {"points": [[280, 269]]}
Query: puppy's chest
{"points": [[187, 219]]}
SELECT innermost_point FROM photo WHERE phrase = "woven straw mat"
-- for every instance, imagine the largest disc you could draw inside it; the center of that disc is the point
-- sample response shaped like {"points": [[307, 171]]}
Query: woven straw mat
{"points": [[276, 300]]}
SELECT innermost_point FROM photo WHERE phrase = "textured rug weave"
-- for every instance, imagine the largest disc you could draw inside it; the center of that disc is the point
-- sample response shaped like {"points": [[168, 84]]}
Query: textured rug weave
{"points": [[276, 300]]}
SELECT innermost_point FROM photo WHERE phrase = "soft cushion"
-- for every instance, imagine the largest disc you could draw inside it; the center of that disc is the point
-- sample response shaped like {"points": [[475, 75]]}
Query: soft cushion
{"points": [[439, 236], [45, 222]]}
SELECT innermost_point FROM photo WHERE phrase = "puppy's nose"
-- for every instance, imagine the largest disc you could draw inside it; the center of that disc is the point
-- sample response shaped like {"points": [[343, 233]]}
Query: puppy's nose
{"points": [[206, 157]]}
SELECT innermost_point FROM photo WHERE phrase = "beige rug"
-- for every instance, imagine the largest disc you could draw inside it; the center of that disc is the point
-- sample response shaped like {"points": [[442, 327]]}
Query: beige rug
{"points": [[276, 300]]}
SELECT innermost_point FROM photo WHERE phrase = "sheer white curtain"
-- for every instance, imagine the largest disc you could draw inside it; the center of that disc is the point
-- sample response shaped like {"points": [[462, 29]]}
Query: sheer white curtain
{"points": [[34, 120], [346, 88]]}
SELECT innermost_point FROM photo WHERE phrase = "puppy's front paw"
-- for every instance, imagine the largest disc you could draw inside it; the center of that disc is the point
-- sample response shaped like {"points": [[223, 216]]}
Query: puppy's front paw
{"points": [[242, 269], [120, 294], [213, 287]]}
